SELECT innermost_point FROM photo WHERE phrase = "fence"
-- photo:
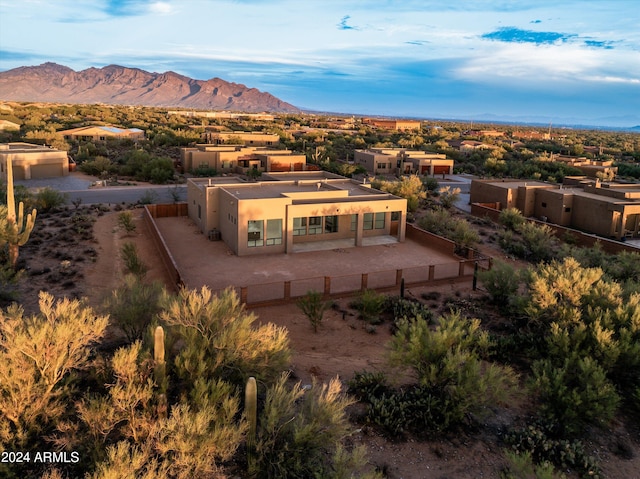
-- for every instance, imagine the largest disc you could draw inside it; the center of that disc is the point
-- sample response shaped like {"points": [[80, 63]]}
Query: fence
{"points": [[161, 211], [346, 285], [331, 286]]}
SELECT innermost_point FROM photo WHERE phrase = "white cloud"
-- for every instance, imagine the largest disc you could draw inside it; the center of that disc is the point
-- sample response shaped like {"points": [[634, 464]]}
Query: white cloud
{"points": [[162, 8]]}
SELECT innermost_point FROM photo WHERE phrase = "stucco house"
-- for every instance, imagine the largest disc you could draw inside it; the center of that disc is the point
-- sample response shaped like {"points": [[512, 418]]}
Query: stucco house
{"points": [[240, 159], [402, 161], [285, 209], [31, 161], [398, 125], [610, 210], [247, 138], [102, 133]]}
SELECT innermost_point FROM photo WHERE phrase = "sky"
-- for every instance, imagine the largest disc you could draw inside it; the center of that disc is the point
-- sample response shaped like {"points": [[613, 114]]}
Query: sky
{"points": [[547, 61]]}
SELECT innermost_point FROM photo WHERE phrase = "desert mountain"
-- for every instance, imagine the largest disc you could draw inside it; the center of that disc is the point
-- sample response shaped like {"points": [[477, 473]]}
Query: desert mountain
{"points": [[114, 84]]}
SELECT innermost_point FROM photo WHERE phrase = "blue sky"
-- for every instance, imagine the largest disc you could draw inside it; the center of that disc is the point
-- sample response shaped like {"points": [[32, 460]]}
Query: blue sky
{"points": [[533, 60]]}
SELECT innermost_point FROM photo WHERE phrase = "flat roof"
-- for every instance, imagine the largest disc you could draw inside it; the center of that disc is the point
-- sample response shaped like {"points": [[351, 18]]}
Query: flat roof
{"points": [[323, 190], [519, 183]]}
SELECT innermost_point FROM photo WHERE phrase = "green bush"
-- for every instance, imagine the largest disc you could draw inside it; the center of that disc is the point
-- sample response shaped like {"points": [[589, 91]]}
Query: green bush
{"points": [[220, 339], [367, 385], [314, 307], [502, 282], [454, 384], [575, 394], [125, 221], [511, 218], [439, 221], [541, 444], [132, 262], [134, 305], [48, 199], [370, 304], [300, 432]]}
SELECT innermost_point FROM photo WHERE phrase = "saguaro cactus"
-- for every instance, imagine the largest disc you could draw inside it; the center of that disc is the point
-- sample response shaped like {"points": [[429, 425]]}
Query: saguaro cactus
{"points": [[18, 229], [251, 412], [160, 370]]}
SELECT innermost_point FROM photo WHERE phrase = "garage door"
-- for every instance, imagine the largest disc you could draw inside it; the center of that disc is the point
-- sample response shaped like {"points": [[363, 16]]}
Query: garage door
{"points": [[46, 171], [439, 169]]}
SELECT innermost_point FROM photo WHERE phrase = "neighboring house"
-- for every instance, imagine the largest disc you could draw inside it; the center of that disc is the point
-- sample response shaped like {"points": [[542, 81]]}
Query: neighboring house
{"points": [[469, 146], [33, 161], [223, 115], [610, 210], [393, 161], [102, 133], [590, 168], [272, 216], [393, 124], [487, 133], [253, 138], [240, 159], [531, 135], [6, 125]]}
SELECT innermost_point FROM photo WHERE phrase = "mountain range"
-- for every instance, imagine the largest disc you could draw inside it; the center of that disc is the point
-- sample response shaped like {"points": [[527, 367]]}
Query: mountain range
{"points": [[119, 85]]}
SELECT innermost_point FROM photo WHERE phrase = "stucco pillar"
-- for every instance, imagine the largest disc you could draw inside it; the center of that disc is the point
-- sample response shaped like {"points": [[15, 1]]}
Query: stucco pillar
{"points": [[359, 228], [402, 227], [27, 171]]}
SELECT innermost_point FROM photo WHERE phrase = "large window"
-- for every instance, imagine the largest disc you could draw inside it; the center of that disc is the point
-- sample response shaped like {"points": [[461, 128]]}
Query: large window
{"points": [[299, 226], [368, 221], [331, 224], [379, 222], [315, 225], [274, 232], [255, 233]]}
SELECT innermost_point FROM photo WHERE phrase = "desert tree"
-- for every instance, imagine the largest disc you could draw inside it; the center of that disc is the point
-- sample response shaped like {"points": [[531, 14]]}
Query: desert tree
{"points": [[221, 340], [301, 432], [38, 355], [313, 306]]}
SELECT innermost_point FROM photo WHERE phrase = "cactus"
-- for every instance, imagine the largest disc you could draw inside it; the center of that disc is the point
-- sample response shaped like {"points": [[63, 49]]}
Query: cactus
{"points": [[18, 229], [160, 370], [251, 413]]}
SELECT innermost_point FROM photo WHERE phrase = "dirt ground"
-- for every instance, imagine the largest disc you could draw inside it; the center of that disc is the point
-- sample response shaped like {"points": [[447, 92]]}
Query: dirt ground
{"points": [[340, 348]]}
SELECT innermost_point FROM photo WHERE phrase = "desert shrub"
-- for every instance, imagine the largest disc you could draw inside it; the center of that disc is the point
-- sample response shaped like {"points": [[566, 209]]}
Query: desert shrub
{"points": [[314, 307], [134, 305], [530, 241], [448, 196], [439, 221], [220, 339], [408, 187], [511, 218], [366, 385], [542, 445], [48, 199], [194, 439], [300, 433], [501, 281], [125, 221], [521, 466], [132, 262], [38, 355], [453, 381], [407, 309], [149, 197], [575, 394], [370, 305], [98, 166]]}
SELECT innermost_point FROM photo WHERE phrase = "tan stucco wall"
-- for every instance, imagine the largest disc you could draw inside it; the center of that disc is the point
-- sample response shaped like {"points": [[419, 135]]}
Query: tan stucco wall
{"points": [[556, 202], [39, 163]]}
